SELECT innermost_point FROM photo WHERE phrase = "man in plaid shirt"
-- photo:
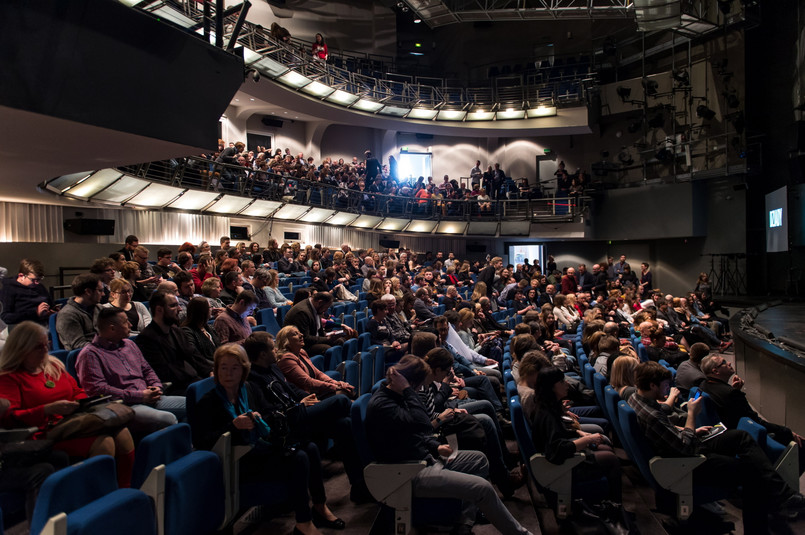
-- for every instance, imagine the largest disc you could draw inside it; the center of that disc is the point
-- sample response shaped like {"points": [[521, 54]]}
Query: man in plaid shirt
{"points": [[733, 458]]}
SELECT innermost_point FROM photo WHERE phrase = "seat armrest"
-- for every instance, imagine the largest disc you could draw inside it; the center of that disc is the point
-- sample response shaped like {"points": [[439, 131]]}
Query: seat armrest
{"points": [[557, 478], [384, 479], [675, 473], [15, 435], [230, 456], [551, 475]]}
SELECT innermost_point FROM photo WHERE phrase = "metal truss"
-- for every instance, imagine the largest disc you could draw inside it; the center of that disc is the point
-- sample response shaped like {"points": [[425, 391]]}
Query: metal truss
{"points": [[442, 12]]}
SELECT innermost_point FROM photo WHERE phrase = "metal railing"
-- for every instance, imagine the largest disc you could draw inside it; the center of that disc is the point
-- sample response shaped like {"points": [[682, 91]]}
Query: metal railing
{"points": [[368, 76], [203, 174]]}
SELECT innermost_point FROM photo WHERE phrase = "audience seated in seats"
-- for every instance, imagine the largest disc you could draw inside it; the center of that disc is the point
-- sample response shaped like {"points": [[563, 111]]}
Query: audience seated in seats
{"points": [[28, 475], [382, 333], [309, 417], [531, 364], [131, 272], [287, 264], [399, 429], [689, 373], [120, 292], [734, 460], [231, 286], [112, 365], [185, 291], [621, 377], [607, 352], [131, 243], [559, 436], [306, 315], [203, 271], [469, 357], [40, 393], [24, 297], [299, 370], [446, 420], [104, 268], [237, 406], [275, 297], [260, 285], [658, 349], [232, 325], [488, 344], [725, 388], [198, 332], [211, 289], [166, 349], [75, 321], [165, 266], [148, 279]]}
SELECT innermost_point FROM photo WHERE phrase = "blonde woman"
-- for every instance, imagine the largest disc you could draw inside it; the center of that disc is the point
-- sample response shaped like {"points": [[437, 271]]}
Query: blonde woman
{"points": [[275, 296], [41, 393], [478, 292], [120, 293], [299, 370]]}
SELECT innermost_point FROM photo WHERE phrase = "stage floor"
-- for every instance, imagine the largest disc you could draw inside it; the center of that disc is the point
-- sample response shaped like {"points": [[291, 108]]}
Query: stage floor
{"points": [[784, 320]]}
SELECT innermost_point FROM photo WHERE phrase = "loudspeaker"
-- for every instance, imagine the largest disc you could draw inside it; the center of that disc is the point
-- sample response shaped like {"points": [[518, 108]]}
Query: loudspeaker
{"points": [[268, 120], [92, 227], [390, 244], [476, 248], [292, 236]]}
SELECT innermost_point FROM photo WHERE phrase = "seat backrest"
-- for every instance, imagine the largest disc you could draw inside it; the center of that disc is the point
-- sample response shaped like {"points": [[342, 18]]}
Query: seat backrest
{"points": [[266, 316], [639, 449], [588, 372], [69, 364], [60, 354], [74, 487], [281, 311], [333, 357], [367, 362], [54, 335], [194, 393], [362, 324], [364, 341], [511, 389], [350, 348], [611, 399], [161, 447], [599, 382], [358, 414], [522, 430]]}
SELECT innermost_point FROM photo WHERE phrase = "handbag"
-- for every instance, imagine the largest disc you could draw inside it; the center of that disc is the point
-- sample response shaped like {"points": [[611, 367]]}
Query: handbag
{"points": [[97, 420], [468, 430]]}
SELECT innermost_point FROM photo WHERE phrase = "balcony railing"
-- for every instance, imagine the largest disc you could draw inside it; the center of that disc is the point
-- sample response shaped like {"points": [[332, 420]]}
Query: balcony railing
{"points": [[202, 174]]}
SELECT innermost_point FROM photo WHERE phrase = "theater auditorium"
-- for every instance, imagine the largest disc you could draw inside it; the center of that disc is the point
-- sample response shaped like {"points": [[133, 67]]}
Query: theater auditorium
{"points": [[402, 266]]}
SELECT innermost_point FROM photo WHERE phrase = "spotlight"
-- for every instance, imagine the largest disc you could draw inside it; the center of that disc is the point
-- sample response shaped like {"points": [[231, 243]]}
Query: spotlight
{"points": [[253, 73], [624, 92], [704, 112], [658, 121], [664, 155], [650, 86], [256, 75], [417, 20], [732, 99], [681, 76]]}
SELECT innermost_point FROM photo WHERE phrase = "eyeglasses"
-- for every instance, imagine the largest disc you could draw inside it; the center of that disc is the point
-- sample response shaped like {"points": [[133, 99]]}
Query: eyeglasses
{"points": [[35, 280], [722, 363]]}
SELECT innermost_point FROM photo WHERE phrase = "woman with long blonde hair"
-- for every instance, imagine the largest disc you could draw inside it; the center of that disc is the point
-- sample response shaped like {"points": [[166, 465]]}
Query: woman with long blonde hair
{"points": [[41, 393]]}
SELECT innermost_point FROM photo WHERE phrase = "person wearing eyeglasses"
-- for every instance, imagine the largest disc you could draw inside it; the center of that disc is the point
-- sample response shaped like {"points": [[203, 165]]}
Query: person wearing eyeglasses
{"points": [[725, 388], [105, 269], [24, 297]]}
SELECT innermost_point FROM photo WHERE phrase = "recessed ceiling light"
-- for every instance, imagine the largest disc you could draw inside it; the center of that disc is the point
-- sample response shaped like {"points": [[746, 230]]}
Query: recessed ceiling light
{"points": [[417, 21], [237, 100], [251, 99]]}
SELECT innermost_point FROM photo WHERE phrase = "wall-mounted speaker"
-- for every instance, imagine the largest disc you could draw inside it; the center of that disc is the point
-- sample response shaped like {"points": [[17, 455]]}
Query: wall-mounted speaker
{"points": [[239, 233], [90, 227], [272, 121], [476, 248], [292, 236], [390, 244]]}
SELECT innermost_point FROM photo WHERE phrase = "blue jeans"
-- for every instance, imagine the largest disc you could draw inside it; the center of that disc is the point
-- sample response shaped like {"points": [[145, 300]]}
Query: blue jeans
{"points": [[167, 411]]}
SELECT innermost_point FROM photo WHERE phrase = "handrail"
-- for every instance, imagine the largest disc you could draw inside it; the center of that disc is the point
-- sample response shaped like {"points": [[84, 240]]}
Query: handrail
{"points": [[202, 174], [362, 77]]}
